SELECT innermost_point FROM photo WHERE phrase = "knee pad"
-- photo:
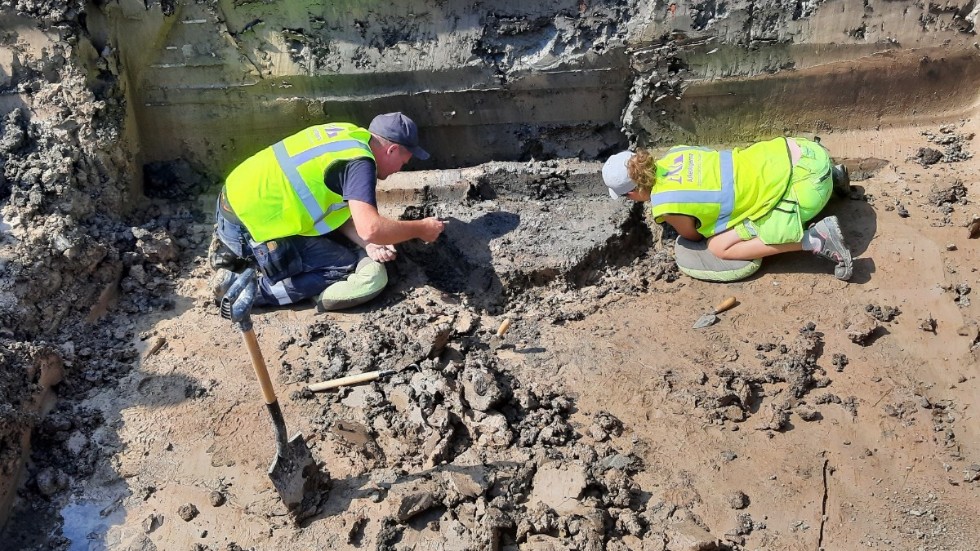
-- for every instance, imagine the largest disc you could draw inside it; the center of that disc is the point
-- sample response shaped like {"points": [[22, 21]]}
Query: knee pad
{"points": [[366, 283]]}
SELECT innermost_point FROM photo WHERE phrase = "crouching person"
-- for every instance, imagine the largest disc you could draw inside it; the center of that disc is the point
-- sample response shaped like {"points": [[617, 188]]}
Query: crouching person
{"points": [[747, 203], [304, 210]]}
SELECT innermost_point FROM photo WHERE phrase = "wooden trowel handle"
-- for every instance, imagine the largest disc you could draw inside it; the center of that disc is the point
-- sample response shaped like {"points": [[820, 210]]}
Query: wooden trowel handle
{"points": [[725, 305], [258, 363], [343, 381]]}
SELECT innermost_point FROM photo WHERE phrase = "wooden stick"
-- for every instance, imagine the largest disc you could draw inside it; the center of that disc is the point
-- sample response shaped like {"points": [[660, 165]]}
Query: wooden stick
{"points": [[348, 380]]}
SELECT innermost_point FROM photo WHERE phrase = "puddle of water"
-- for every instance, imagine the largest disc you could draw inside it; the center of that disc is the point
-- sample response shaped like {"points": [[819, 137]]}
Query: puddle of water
{"points": [[86, 524]]}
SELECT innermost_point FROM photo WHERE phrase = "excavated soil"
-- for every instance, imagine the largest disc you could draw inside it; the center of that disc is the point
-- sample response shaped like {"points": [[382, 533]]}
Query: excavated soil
{"points": [[816, 414]]}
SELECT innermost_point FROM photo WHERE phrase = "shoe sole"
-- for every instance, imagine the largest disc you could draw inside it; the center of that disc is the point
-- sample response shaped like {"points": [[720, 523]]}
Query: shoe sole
{"points": [[844, 268]]}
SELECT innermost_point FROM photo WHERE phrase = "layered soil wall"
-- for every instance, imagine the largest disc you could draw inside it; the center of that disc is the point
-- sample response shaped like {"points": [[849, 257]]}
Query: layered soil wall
{"points": [[214, 81]]}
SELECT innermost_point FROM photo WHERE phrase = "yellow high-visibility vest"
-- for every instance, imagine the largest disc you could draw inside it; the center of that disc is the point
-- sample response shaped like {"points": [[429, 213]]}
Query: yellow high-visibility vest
{"points": [[280, 191], [721, 188]]}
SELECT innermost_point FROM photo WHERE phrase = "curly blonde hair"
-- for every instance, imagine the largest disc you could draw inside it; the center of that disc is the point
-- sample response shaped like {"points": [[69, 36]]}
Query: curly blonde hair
{"points": [[642, 169]]}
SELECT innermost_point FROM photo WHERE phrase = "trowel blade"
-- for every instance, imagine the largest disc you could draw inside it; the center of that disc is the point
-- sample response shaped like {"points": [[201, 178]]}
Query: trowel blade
{"points": [[705, 320], [295, 476]]}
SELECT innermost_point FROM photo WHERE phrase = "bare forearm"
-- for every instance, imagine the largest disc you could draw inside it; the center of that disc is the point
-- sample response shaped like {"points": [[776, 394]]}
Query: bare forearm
{"points": [[376, 229], [382, 231]]}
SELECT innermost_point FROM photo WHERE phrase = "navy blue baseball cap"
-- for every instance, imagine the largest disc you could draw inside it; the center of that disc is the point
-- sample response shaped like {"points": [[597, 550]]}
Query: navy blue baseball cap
{"points": [[399, 129]]}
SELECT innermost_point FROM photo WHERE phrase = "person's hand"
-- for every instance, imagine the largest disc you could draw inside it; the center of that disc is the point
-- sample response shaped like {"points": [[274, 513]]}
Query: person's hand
{"points": [[381, 253], [431, 228]]}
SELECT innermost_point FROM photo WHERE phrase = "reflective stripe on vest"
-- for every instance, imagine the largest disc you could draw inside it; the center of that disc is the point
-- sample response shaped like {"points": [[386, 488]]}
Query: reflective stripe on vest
{"points": [[677, 148], [290, 167], [725, 197]]}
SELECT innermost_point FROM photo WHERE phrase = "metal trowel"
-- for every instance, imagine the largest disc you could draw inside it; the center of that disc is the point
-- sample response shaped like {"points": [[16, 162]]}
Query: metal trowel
{"points": [[711, 317]]}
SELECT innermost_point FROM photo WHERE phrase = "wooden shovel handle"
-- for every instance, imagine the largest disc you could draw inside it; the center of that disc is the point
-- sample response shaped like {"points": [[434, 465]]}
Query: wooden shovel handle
{"points": [[725, 305], [348, 380], [258, 363]]}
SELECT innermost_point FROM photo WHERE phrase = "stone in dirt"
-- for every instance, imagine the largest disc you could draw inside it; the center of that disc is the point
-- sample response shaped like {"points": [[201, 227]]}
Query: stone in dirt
{"points": [[51, 481], [356, 530]]}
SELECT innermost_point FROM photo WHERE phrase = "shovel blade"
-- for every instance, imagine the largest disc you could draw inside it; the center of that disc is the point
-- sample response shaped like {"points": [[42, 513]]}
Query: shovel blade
{"points": [[705, 320], [295, 476]]}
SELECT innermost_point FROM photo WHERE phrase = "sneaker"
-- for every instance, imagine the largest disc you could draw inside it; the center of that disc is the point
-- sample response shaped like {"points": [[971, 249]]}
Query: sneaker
{"points": [[220, 282], [832, 246], [842, 180]]}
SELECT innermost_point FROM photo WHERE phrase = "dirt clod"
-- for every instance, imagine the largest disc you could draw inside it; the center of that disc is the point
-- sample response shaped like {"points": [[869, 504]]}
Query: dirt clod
{"points": [[605, 425], [973, 228], [861, 329], [928, 324], [928, 156], [971, 473], [216, 498], [882, 313], [51, 481], [738, 500], [188, 512]]}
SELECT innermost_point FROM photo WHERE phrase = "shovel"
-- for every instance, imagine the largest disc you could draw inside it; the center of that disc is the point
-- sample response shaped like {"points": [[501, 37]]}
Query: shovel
{"points": [[293, 472], [711, 317]]}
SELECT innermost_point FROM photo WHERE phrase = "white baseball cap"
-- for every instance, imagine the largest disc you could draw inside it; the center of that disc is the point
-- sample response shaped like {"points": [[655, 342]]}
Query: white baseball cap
{"points": [[615, 176]]}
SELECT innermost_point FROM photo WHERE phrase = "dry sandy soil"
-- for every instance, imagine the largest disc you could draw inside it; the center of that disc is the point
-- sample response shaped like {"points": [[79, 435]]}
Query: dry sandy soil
{"points": [[816, 414]]}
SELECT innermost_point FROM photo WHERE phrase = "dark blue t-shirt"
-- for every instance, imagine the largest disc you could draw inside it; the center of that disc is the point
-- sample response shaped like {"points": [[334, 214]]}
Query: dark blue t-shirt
{"points": [[356, 179]]}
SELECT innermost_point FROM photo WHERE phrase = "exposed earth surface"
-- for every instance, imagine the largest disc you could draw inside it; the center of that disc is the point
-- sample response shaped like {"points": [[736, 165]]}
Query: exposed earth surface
{"points": [[546, 387]]}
